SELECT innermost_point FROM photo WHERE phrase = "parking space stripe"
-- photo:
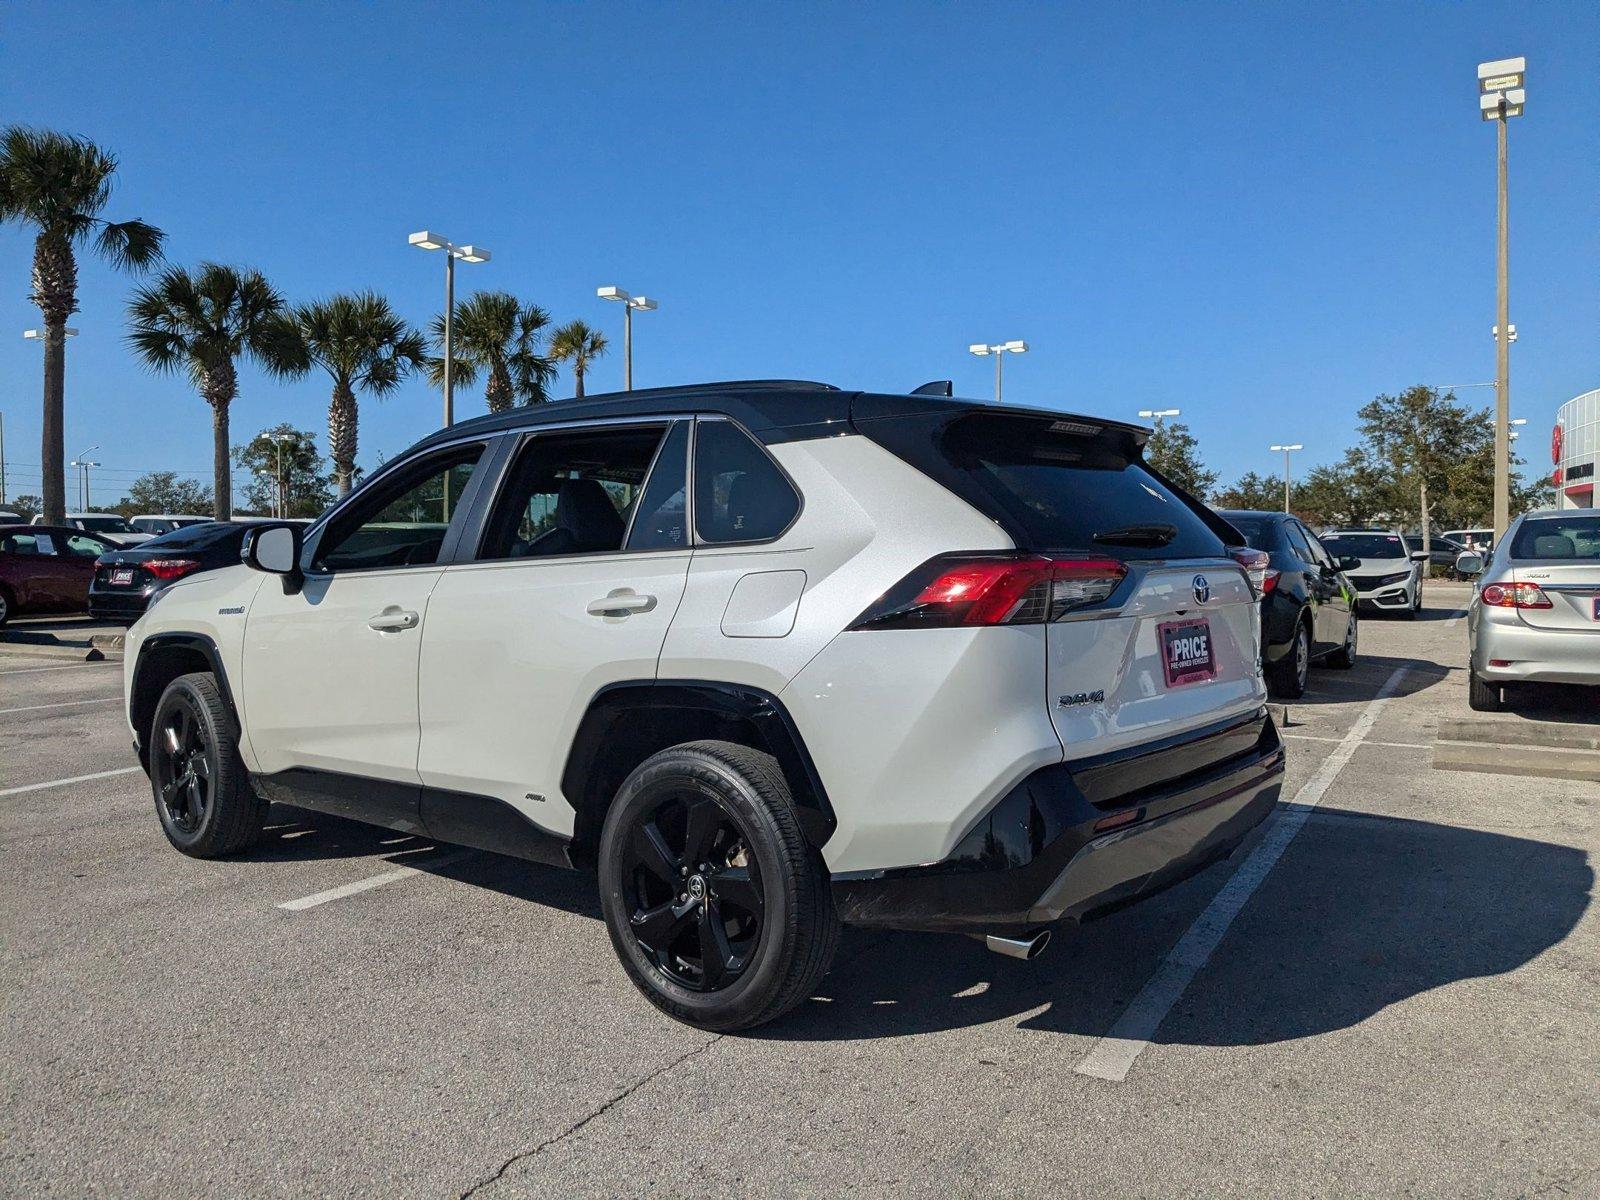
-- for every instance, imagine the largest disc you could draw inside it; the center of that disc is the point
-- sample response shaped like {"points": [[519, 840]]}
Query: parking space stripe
{"points": [[62, 704], [39, 787], [367, 884], [1114, 1054], [68, 667], [1311, 737]]}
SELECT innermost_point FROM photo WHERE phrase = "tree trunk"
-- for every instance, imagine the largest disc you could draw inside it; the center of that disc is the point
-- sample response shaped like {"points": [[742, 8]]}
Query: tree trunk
{"points": [[498, 391], [218, 386], [342, 419], [55, 291], [577, 375], [1427, 543]]}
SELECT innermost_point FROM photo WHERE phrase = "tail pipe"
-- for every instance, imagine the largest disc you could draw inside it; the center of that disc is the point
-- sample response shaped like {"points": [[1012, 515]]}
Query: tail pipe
{"points": [[1028, 946]]}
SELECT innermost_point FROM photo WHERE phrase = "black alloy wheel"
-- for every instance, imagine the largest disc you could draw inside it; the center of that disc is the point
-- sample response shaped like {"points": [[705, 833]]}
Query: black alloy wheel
{"points": [[694, 891], [182, 768], [202, 790]]}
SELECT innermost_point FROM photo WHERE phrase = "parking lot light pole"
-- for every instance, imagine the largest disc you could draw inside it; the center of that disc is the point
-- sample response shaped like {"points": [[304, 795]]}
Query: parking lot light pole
{"points": [[471, 254], [983, 349], [629, 303], [82, 464], [1286, 452], [1157, 414], [1501, 96]]}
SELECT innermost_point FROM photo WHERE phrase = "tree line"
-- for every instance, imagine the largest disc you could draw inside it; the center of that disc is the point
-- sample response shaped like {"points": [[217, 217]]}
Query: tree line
{"points": [[1424, 459], [202, 321]]}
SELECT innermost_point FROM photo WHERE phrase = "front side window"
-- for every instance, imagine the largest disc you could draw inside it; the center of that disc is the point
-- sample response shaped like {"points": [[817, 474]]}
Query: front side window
{"points": [[740, 495], [402, 521], [575, 493], [27, 545], [1317, 548]]}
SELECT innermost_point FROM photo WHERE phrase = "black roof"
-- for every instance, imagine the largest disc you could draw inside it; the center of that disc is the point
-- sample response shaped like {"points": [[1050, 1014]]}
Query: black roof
{"points": [[775, 410]]}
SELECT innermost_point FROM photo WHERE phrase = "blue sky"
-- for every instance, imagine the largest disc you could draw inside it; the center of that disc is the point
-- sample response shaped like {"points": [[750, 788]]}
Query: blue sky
{"points": [[1262, 214]]}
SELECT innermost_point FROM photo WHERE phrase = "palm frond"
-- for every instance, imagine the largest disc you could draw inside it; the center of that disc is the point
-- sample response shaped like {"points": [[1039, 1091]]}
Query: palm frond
{"points": [[129, 245]]}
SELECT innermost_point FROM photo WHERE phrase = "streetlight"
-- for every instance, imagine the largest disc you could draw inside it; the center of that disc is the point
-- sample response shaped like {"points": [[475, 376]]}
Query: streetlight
{"points": [[83, 464], [471, 254], [982, 349], [1501, 96], [1286, 450], [629, 303], [38, 334], [1155, 414]]}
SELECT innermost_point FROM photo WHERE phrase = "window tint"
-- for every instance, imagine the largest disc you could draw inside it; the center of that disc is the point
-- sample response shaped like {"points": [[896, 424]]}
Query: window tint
{"points": [[659, 522], [740, 495], [1298, 542], [1317, 548], [402, 521], [1564, 537], [1260, 533], [571, 493]]}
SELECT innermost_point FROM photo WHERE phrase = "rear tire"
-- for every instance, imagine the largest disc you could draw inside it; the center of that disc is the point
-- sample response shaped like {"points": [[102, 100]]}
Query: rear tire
{"points": [[1286, 678], [202, 791], [717, 906], [1345, 656], [7, 605], [1484, 697]]}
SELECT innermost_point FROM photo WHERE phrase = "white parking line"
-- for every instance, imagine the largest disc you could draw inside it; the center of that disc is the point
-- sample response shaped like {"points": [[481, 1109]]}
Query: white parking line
{"points": [[68, 667], [63, 704], [39, 787], [366, 885], [1113, 1055], [1311, 737]]}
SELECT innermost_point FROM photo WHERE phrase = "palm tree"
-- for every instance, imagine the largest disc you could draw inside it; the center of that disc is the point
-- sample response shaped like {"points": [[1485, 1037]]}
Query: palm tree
{"points": [[203, 322], [362, 343], [58, 185], [579, 343], [493, 332]]}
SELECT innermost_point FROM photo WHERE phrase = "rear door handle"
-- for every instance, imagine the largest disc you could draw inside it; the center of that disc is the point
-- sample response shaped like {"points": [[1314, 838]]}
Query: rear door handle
{"points": [[392, 620], [620, 603]]}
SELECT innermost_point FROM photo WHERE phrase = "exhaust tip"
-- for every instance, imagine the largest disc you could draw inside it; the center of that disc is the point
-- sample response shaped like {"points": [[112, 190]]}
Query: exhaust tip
{"points": [[1027, 947]]}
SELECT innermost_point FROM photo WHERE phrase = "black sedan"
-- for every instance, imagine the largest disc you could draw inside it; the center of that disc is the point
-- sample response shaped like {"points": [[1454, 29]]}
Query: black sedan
{"points": [[125, 580], [1308, 610]]}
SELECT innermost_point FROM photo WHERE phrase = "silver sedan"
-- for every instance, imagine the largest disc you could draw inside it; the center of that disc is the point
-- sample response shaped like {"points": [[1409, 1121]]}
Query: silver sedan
{"points": [[1535, 611]]}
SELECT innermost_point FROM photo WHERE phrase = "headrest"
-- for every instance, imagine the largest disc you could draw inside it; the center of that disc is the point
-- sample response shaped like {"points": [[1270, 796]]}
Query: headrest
{"points": [[584, 510], [1554, 545]]}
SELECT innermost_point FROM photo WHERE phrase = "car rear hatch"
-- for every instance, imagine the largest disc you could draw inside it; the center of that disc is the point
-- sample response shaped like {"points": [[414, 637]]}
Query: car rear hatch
{"points": [[1153, 627], [1572, 592], [120, 572]]}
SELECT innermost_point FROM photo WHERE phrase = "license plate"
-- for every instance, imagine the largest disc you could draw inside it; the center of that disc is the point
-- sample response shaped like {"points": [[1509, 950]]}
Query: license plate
{"points": [[121, 577], [1597, 608], [1186, 652]]}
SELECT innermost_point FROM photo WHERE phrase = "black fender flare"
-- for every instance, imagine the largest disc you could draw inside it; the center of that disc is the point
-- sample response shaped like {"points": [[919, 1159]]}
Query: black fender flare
{"points": [[149, 649]]}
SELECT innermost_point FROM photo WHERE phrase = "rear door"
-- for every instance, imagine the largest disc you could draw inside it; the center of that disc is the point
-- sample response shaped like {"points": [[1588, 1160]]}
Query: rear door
{"points": [[1562, 556]]}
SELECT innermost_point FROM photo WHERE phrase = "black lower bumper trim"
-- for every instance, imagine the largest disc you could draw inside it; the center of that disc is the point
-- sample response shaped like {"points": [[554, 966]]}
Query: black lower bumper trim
{"points": [[1043, 853]]}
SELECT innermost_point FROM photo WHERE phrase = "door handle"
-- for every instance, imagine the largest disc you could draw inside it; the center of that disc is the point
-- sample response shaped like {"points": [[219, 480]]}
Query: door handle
{"points": [[620, 603], [392, 620]]}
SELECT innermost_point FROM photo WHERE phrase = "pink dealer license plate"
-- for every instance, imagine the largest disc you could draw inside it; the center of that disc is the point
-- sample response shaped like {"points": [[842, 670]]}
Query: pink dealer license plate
{"points": [[1186, 652]]}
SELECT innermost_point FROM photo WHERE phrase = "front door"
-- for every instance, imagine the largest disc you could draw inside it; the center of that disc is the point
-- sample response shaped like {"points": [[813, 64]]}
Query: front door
{"points": [[579, 571], [330, 670]]}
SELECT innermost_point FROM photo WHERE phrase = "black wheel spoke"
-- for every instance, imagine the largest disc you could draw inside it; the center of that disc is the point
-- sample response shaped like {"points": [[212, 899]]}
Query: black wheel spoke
{"points": [[717, 960], [735, 888], [655, 856], [705, 818], [657, 928]]}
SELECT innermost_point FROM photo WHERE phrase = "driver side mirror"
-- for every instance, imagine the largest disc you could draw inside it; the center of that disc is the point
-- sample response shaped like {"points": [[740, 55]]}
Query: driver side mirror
{"points": [[1347, 562], [1420, 556], [1469, 563], [275, 550]]}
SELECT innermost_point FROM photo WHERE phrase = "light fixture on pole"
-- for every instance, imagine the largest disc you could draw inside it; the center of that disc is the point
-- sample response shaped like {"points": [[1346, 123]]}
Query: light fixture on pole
{"points": [[471, 254], [629, 303], [38, 334], [82, 464], [1286, 452], [983, 349], [1156, 414], [1501, 96]]}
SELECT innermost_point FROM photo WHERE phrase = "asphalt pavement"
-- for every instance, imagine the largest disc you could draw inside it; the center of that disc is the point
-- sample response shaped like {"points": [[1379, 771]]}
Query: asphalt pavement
{"points": [[1393, 988]]}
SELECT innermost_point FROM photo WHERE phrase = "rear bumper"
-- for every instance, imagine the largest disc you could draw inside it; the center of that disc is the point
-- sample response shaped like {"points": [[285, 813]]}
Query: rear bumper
{"points": [[120, 605], [1535, 655], [1044, 853]]}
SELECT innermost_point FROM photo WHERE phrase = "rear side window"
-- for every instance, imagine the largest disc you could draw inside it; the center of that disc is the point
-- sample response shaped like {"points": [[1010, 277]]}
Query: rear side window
{"points": [[1299, 543], [740, 495], [1567, 537], [1055, 485]]}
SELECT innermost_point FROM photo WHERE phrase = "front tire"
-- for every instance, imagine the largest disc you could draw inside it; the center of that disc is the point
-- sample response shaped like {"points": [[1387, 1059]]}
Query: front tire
{"points": [[7, 605], [1484, 697], [1286, 678], [202, 791], [717, 906]]}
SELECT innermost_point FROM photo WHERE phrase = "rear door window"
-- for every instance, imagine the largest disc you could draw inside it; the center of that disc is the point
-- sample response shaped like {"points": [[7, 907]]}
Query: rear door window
{"points": [[740, 494], [1300, 542]]}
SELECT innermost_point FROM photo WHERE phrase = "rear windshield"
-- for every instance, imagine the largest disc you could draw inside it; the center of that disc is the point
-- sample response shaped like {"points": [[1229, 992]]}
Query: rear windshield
{"points": [[1055, 485], [1259, 532], [1365, 545], [196, 537], [1564, 537]]}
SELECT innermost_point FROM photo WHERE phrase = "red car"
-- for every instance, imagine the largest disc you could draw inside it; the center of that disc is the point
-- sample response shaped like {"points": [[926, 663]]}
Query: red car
{"points": [[46, 569]]}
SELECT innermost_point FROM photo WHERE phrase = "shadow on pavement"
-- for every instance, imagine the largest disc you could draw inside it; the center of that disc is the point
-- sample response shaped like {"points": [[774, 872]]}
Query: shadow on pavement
{"points": [[1552, 702], [1362, 682], [1361, 913]]}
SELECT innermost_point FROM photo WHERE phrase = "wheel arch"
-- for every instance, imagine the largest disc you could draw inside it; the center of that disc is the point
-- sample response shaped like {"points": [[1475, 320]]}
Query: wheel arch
{"points": [[628, 722], [162, 658]]}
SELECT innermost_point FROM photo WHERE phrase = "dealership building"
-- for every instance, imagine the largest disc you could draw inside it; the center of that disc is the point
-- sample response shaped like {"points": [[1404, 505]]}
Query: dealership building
{"points": [[1575, 450]]}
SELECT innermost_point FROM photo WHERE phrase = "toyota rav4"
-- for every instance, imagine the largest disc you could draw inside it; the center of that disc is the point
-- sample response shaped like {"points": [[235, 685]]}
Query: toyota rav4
{"points": [[770, 657]]}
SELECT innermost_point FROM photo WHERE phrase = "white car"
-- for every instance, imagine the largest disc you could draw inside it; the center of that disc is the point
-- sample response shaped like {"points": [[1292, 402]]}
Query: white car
{"points": [[105, 525], [1389, 578], [772, 657], [155, 524]]}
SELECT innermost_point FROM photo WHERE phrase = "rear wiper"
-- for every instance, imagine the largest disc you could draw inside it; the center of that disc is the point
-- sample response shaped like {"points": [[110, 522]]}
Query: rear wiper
{"points": [[1138, 535]]}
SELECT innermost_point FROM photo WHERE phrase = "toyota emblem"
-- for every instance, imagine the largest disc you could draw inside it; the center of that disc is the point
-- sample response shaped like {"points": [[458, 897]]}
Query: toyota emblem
{"points": [[1202, 589]]}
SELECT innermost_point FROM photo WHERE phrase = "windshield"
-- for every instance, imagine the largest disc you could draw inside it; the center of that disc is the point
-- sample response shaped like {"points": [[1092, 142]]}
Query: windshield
{"points": [[103, 524], [1365, 545], [197, 537], [1576, 537]]}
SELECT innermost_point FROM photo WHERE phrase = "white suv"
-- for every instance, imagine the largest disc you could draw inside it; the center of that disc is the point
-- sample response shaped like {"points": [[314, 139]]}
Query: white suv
{"points": [[771, 656]]}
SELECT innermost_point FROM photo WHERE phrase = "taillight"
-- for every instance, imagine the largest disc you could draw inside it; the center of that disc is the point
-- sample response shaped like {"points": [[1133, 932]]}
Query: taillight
{"points": [[993, 589], [1255, 566], [1271, 581], [1515, 595], [170, 568]]}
